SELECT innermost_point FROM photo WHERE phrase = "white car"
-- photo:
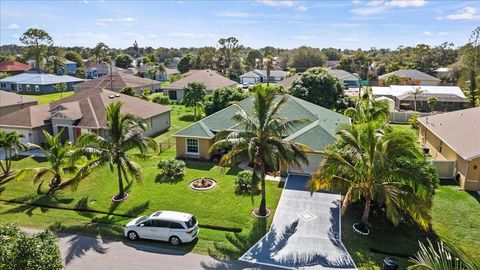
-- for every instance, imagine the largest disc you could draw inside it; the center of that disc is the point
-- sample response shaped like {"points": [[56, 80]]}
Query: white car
{"points": [[174, 227]]}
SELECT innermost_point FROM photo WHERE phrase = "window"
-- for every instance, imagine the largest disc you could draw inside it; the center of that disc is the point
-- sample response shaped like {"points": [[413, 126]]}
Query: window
{"points": [[160, 223], [19, 87], [192, 146], [176, 225], [3, 85], [37, 88], [440, 147], [172, 95], [191, 222], [28, 87]]}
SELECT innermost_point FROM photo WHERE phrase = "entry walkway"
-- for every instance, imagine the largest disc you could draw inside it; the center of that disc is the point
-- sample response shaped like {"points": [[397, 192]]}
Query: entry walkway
{"points": [[305, 232]]}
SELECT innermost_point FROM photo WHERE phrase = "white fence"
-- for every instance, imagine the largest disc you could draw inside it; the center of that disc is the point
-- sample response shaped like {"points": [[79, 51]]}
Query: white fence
{"points": [[445, 168], [403, 117]]}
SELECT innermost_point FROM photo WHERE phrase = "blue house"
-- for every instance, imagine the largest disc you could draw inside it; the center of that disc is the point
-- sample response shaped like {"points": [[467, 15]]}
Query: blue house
{"points": [[36, 84], [259, 76], [97, 70], [71, 67]]}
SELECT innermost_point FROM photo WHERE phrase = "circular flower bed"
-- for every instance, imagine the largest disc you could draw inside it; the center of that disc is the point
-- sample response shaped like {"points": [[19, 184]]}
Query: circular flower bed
{"points": [[202, 184], [256, 213], [115, 198], [361, 229]]}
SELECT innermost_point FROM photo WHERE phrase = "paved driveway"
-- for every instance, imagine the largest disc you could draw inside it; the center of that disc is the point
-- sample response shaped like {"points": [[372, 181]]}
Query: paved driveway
{"points": [[305, 232]]}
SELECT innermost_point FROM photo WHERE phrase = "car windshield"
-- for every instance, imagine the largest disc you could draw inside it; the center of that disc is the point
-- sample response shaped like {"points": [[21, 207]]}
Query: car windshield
{"points": [[140, 219], [191, 223]]}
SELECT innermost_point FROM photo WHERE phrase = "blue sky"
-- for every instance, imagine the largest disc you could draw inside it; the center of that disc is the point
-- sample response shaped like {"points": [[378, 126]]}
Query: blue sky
{"points": [[286, 24]]}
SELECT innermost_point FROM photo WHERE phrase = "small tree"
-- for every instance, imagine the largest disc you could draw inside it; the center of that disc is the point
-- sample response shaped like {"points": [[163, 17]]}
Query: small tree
{"points": [[161, 99], [392, 80], [60, 88], [37, 41], [129, 91], [184, 64], [417, 91], [432, 101], [145, 95], [269, 65], [10, 143], [172, 168], [223, 98], [123, 61], [194, 95]]}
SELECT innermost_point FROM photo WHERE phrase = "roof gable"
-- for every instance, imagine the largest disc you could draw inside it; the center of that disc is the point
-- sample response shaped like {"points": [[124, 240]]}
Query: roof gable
{"points": [[210, 78]]}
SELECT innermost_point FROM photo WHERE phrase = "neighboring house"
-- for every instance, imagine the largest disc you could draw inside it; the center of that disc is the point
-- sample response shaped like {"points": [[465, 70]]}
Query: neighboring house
{"points": [[14, 67], [173, 64], [70, 66], [453, 142], [210, 78], [260, 76], [331, 64], [287, 82], [318, 130], [162, 77], [449, 98], [10, 102], [119, 80], [346, 78], [81, 113], [410, 77], [94, 71], [37, 83]]}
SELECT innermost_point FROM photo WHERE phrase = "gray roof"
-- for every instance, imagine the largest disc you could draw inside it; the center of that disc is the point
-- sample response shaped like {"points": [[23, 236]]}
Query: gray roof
{"points": [[40, 79], [9, 99], [263, 73], [210, 78], [410, 73], [458, 129], [340, 74], [319, 129]]}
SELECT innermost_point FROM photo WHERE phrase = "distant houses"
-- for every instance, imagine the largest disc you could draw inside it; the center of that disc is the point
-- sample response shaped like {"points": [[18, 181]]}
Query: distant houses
{"points": [[210, 78], [37, 83], [94, 71], [260, 76], [410, 77], [14, 67], [10, 102], [70, 67], [346, 78], [116, 81]]}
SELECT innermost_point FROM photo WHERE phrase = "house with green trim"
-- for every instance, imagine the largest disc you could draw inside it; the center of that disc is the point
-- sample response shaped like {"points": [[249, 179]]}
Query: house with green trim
{"points": [[318, 129]]}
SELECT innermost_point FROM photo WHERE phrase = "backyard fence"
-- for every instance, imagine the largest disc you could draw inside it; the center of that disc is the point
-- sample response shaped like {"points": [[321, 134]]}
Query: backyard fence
{"points": [[403, 117], [166, 144]]}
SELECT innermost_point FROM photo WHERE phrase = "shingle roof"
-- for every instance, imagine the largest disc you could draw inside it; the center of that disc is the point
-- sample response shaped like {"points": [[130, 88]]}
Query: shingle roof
{"points": [[88, 106], [339, 73], [9, 99], [287, 83], [410, 73], [263, 73], [119, 80], [40, 79], [250, 74], [12, 66], [319, 129], [459, 130], [210, 78]]}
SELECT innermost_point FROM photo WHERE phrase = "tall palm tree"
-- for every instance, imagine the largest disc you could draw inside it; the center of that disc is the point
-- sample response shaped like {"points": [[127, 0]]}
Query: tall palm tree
{"points": [[417, 91], [362, 166], [261, 142], [432, 101], [368, 109], [60, 158], [269, 65], [10, 144], [125, 132]]}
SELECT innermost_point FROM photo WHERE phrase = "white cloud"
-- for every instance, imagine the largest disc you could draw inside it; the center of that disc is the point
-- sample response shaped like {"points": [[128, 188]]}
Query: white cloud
{"points": [[435, 34], [188, 35], [123, 21], [302, 8], [467, 13], [427, 33], [370, 10], [283, 3], [443, 33], [406, 3], [233, 14], [12, 26]]}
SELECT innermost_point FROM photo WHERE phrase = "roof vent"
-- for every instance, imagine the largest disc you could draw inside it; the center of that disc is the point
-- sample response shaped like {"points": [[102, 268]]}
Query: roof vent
{"points": [[111, 96], [117, 95]]}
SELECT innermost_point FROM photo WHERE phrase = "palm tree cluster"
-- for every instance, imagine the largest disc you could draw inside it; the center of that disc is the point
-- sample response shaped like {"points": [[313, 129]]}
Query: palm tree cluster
{"points": [[10, 144]]}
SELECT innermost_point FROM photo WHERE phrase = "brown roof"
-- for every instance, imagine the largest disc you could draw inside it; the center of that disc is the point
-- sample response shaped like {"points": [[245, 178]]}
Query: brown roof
{"points": [[210, 78], [86, 106], [12, 66], [287, 83], [9, 99], [459, 130], [119, 80]]}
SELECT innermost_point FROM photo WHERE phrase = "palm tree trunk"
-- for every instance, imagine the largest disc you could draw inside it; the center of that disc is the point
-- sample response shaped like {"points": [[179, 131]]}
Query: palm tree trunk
{"points": [[8, 161], [121, 191], [415, 103], [366, 211], [57, 179], [263, 203]]}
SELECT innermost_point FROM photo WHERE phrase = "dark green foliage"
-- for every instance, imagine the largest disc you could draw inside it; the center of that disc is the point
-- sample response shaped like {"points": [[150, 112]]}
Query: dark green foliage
{"points": [[223, 98], [244, 183], [19, 250], [161, 99], [316, 85], [184, 63], [129, 91], [172, 168], [75, 57], [304, 58], [123, 61], [392, 80], [194, 95]]}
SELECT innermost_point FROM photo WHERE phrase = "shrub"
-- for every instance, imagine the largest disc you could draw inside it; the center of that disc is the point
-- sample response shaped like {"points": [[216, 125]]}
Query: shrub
{"points": [[244, 182], [413, 121], [20, 250], [161, 99], [128, 91], [172, 168]]}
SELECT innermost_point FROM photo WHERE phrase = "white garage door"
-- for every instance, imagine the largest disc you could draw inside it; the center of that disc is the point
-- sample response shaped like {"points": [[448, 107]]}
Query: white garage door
{"points": [[314, 162], [248, 80]]}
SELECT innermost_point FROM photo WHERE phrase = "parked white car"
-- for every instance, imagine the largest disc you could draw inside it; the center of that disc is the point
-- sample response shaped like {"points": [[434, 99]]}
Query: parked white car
{"points": [[174, 227]]}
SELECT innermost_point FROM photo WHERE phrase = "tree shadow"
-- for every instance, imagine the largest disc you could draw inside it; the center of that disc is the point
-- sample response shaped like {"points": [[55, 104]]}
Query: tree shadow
{"points": [[199, 165], [475, 195], [32, 202], [162, 179]]}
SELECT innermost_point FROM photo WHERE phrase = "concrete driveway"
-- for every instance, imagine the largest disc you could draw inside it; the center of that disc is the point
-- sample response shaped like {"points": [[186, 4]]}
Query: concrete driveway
{"points": [[305, 232]]}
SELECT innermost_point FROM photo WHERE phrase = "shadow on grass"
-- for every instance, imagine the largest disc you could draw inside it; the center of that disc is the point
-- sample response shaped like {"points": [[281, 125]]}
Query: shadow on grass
{"points": [[199, 165], [475, 195], [162, 179], [33, 202], [189, 118]]}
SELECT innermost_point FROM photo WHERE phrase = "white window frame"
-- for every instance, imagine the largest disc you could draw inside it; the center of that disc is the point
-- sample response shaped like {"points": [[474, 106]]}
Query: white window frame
{"points": [[19, 88], [186, 147], [28, 87], [37, 88]]}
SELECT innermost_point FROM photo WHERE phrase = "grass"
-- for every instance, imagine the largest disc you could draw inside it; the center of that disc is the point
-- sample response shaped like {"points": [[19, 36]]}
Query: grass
{"points": [[181, 117], [453, 220], [49, 98], [217, 207]]}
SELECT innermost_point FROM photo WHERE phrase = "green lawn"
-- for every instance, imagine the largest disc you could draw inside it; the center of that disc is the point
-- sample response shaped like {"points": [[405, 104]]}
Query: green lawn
{"points": [[48, 98], [217, 207], [454, 218]]}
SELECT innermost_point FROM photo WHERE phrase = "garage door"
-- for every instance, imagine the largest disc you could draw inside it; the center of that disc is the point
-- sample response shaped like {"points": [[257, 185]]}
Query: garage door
{"points": [[248, 80], [314, 162]]}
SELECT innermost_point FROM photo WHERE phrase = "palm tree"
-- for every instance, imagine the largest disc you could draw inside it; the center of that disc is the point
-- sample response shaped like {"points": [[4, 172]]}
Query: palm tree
{"points": [[60, 158], [269, 65], [60, 88], [442, 257], [261, 142], [125, 132], [417, 91], [363, 166], [432, 101], [368, 109], [10, 144], [161, 69]]}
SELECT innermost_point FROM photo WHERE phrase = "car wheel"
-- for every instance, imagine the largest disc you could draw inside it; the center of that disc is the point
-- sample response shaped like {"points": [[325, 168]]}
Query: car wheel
{"points": [[174, 241], [132, 235]]}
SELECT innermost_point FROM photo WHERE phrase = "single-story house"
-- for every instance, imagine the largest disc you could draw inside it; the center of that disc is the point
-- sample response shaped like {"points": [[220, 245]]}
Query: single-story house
{"points": [[410, 77], [70, 66], [318, 130], [14, 67], [449, 98], [346, 78], [210, 78], [94, 71], [37, 83], [331, 64], [116, 81], [453, 142], [260, 75], [288, 82], [10, 102], [82, 112], [162, 77]]}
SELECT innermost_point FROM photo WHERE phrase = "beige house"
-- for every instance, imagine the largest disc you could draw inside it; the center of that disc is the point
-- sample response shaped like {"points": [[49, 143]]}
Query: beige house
{"points": [[10, 102], [453, 141], [410, 77]]}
